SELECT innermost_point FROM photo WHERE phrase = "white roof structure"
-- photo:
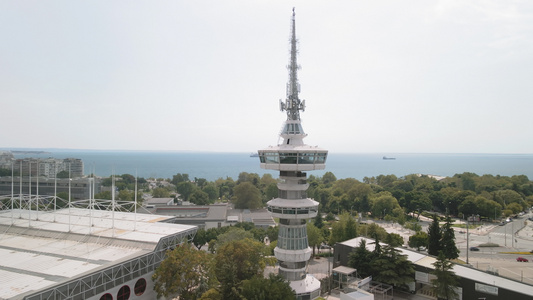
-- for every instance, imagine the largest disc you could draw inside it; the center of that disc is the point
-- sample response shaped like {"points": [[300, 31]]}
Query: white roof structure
{"points": [[460, 270], [43, 250]]}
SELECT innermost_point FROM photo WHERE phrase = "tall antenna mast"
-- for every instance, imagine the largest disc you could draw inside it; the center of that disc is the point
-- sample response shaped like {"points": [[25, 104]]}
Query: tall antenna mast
{"points": [[292, 104]]}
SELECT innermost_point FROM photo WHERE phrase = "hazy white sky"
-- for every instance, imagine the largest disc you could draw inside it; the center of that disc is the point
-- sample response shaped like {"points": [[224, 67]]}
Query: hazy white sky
{"points": [[377, 76]]}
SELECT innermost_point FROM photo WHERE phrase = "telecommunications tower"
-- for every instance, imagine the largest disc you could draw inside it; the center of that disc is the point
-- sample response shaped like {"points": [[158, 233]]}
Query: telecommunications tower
{"points": [[293, 208]]}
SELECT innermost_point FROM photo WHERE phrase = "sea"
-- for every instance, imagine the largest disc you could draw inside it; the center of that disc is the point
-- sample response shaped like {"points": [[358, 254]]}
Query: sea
{"points": [[213, 165]]}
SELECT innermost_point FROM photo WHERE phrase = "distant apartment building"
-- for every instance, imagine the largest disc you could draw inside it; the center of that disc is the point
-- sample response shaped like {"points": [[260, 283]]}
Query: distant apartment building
{"points": [[47, 167], [80, 188]]}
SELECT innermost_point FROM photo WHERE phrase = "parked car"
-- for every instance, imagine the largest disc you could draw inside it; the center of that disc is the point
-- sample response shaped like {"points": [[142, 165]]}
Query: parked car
{"points": [[522, 259], [474, 249]]}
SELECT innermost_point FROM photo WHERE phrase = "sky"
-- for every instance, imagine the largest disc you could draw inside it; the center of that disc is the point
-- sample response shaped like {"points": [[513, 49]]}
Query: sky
{"points": [[378, 76]]}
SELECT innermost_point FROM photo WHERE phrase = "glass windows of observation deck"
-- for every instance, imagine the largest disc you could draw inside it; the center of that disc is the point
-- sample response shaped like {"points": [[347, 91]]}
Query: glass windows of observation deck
{"points": [[269, 157], [306, 158], [321, 158], [288, 158]]}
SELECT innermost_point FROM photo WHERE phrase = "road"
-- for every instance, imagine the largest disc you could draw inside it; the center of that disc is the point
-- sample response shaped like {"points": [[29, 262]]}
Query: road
{"points": [[516, 236]]}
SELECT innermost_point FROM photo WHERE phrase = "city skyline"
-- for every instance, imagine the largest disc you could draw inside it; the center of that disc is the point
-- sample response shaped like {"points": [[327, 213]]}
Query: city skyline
{"points": [[428, 77]]}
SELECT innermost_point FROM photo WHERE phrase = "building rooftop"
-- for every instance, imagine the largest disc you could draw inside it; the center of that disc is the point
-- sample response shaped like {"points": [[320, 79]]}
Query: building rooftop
{"points": [[42, 249]]}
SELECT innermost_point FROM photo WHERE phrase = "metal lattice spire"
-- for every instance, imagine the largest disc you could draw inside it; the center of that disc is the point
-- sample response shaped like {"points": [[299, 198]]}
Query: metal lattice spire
{"points": [[292, 104]]}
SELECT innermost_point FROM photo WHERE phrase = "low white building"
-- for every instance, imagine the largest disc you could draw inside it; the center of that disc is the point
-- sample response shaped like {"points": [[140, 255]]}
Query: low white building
{"points": [[77, 253]]}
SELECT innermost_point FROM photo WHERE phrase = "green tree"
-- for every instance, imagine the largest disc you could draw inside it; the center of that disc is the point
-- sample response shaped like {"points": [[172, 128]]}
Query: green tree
{"points": [[212, 294], [252, 178], [386, 181], [415, 226], [200, 182], [185, 271], [328, 178], [225, 187], [360, 258], [446, 282], [318, 221], [271, 191], [126, 195], [344, 229], [247, 195], [337, 233], [199, 197], [418, 240], [128, 180], [212, 192], [102, 195], [185, 189], [392, 267], [176, 179], [233, 234], [505, 197], [434, 237], [467, 181], [375, 231], [383, 203], [236, 261], [60, 174], [272, 233], [420, 204], [350, 227], [160, 192], [394, 240], [514, 207], [272, 288], [447, 245], [314, 236], [200, 238], [468, 206]]}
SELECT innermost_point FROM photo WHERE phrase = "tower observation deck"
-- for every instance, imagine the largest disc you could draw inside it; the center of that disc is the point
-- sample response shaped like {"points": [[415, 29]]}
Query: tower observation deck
{"points": [[293, 208]]}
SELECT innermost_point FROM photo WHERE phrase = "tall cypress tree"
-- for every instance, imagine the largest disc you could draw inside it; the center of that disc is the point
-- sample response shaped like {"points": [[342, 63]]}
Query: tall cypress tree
{"points": [[319, 223], [434, 237], [448, 247], [360, 258]]}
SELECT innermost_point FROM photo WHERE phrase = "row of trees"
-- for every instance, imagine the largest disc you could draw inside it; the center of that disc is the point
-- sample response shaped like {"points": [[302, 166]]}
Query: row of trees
{"points": [[384, 196], [461, 195]]}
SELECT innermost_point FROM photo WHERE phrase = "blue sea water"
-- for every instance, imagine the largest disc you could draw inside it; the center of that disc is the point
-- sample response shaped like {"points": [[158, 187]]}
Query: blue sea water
{"points": [[212, 166]]}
